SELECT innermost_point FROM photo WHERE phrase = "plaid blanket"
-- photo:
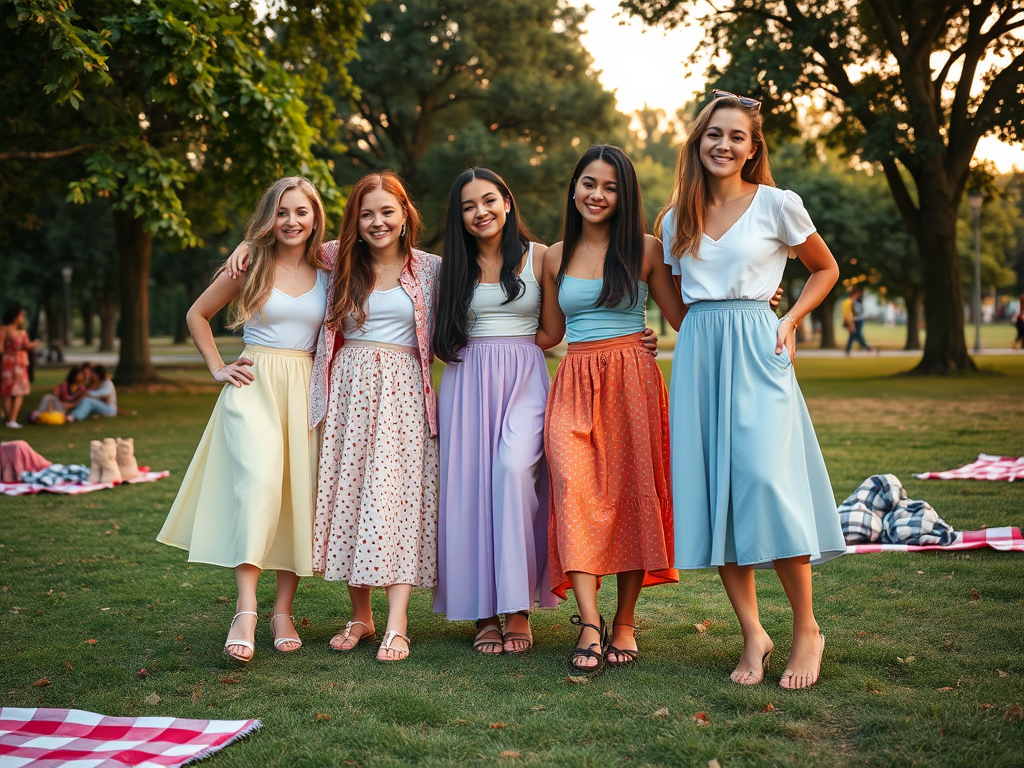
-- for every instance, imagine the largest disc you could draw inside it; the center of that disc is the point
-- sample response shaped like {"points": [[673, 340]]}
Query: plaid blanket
{"points": [[1001, 539], [987, 467], [879, 510], [20, 489], [71, 738]]}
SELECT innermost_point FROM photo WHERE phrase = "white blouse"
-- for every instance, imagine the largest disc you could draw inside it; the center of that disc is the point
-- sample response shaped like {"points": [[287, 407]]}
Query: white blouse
{"points": [[289, 322], [390, 319], [748, 260]]}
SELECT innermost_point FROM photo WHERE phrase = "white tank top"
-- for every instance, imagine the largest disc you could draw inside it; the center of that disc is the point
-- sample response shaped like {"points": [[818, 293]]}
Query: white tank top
{"points": [[390, 319], [490, 317], [289, 322]]}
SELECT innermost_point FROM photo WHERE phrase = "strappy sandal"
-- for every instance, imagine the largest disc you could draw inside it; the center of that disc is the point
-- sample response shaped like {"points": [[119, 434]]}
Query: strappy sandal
{"points": [[486, 646], [588, 652], [243, 643], [279, 641], [347, 636], [627, 656], [518, 637], [817, 672], [389, 638]]}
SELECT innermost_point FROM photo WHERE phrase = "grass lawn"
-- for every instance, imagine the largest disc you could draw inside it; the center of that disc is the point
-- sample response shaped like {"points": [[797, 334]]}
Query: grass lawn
{"points": [[923, 664]]}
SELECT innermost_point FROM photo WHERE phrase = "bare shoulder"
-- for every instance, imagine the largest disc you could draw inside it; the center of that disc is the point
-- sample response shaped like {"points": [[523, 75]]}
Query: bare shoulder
{"points": [[653, 251], [553, 259]]}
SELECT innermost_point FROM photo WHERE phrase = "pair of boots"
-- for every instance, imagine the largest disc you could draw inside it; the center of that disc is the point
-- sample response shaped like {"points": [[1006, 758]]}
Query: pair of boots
{"points": [[113, 461]]}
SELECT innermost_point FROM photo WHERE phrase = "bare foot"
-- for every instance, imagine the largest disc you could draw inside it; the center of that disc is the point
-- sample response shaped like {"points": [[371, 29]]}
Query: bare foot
{"points": [[244, 628], [804, 660], [755, 658]]}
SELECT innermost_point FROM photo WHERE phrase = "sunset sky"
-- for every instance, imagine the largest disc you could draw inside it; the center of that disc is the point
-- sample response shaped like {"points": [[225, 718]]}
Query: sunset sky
{"points": [[645, 65]]}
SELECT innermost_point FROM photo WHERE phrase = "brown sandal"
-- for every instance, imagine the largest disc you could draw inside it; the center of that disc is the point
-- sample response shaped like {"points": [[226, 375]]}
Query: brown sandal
{"points": [[482, 646], [518, 637]]}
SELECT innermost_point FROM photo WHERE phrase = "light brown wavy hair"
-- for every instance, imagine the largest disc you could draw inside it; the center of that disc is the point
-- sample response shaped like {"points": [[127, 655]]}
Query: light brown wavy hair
{"points": [[259, 236], [354, 276], [690, 192]]}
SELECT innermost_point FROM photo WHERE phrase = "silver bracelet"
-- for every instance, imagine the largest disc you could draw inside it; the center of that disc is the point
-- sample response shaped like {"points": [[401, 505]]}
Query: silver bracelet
{"points": [[790, 318]]}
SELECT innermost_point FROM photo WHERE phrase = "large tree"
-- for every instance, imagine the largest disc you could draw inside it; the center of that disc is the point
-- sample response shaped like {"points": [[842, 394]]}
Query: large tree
{"points": [[443, 84], [148, 97], [915, 85]]}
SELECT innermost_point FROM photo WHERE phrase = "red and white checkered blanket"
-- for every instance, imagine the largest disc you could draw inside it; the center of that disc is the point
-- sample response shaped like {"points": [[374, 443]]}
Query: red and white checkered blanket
{"points": [[20, 489], [71, 738], [987, 467], [1002, 539]]}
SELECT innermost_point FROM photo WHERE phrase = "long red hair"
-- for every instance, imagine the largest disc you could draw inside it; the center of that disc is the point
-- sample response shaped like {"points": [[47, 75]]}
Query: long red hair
{"points": [[354, 276], [690, 192]]}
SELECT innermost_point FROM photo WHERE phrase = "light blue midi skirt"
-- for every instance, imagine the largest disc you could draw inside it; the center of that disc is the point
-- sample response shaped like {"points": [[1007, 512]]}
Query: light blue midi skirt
{"points": [[749, 483]]}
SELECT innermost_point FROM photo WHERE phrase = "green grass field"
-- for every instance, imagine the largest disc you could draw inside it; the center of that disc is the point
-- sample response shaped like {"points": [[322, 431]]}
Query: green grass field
{"points": [[923, 663]]}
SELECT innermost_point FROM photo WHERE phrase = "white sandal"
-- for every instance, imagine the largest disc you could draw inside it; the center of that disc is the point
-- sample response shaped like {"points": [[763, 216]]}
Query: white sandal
{"points": [[389, 638], [279, 641], [370, 633], [243, 643]]}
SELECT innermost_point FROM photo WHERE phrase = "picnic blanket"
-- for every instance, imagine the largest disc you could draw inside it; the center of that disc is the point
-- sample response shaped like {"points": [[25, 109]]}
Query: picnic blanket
{"points": [[20, 489], [879, 510], [987, 467], [1001, 539], [71, 738]]}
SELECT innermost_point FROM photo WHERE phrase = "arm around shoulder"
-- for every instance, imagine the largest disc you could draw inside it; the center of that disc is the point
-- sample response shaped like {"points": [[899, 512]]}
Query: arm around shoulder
{"points": [[664, 290], [552, 321]]}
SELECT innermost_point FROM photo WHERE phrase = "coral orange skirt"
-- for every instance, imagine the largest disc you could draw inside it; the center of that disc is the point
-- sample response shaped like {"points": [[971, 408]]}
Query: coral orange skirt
{"points": [[606, 439]]}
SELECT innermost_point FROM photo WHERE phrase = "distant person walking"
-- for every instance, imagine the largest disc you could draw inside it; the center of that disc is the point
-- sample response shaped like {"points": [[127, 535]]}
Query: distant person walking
{"points": [[1018, 322], [14, 383], [853, 319]]}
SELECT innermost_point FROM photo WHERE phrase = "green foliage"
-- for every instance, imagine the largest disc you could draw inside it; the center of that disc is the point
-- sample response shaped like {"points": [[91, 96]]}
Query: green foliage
{"points": [[1000, 222], [445, 85]]}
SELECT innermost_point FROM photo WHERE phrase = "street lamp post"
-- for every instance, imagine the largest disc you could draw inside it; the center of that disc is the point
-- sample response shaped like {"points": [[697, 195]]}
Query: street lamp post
{"points": [[66, 273], [975, 198]]}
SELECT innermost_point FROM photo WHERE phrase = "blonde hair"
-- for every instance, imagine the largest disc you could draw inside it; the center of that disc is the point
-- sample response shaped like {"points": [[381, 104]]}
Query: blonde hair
{"points": [[259, 236], [690, 192]]}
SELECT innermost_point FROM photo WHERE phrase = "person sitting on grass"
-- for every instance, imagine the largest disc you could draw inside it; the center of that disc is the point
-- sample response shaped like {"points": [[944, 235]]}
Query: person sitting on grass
{"points": [[99, 400], [64, 397]]}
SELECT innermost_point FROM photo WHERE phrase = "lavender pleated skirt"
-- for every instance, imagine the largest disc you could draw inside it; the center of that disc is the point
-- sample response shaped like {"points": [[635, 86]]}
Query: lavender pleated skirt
{"points": [[493, 521]]}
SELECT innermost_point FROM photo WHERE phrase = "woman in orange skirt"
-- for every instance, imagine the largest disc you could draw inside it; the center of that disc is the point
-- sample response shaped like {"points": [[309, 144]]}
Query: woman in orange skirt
{"points": [[607, 434]]}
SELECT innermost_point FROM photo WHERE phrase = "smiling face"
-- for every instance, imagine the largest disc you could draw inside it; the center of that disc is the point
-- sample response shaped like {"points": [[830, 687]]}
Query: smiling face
{"points": [[484, 210], [597, 192], [381, 217], [295, 219], [727, 143]]}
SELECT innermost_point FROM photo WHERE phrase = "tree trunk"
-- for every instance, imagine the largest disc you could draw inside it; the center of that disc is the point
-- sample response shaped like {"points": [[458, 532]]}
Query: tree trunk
{"points": [[945, 350], [88, 315], [827, 315], [107, 310], [134, 250], [914, 299]]}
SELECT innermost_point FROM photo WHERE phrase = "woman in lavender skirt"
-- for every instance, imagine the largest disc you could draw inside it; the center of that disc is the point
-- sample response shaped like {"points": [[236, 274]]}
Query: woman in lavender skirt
{"points": [[492, 532]]}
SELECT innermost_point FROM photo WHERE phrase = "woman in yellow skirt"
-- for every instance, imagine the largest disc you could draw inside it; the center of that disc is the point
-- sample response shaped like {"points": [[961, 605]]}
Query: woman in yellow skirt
{"points": [[247, 499]]}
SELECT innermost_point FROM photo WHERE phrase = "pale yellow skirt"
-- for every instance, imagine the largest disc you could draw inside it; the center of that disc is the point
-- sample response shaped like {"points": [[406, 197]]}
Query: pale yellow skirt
{"points": [[248, 494]]}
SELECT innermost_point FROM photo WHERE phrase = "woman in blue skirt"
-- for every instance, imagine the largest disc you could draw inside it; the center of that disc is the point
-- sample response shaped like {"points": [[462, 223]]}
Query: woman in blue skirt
{"points": [[749, 483]]}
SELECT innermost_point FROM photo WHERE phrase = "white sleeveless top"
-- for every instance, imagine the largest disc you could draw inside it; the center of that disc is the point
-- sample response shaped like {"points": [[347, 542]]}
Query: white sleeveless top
{"points": [[490, 317], [289, 322], [390, 319]]}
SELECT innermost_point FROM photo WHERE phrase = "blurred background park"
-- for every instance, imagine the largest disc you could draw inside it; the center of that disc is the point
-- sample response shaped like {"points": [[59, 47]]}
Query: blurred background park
{"points": [[138, 135]]}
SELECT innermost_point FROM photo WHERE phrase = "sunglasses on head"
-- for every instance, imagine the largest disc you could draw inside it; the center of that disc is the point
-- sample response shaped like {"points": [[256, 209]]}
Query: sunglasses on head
{"points": [[745, 101]]}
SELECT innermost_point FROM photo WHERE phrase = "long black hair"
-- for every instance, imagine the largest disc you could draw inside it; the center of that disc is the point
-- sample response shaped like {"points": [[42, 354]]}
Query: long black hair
{"points": [[460, 271], [625, 255]]}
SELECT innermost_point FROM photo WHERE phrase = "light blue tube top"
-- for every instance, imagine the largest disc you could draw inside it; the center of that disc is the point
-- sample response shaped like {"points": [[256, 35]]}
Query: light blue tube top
{"points": [[586, 322]]}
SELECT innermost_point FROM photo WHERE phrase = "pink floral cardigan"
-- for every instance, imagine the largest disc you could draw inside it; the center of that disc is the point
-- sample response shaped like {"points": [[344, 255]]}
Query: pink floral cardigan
{"points": [[419, 279]]}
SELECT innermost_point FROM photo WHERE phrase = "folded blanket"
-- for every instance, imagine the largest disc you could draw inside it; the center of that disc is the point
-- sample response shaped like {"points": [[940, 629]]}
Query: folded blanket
{"points": [[987, 467], [57, 473], [71, 737], [20, 489], [879, 510], [1001, 539]]}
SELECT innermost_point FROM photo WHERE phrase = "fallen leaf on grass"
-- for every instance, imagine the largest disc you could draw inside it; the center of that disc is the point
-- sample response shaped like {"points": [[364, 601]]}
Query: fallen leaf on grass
{"points": [[496, 726], [538, 708], [41, 683], [700, 627], [577, 680], [661, 714], [153, 699], [228, 680], [1003, 674], [143, 674], [68, 667], [304, 622], [510, 754], [1013, 713], [946, 688], [975, 595], [320, 717], [988, 706], [908, 660], [769, 707], [701, 719], [873, 689], [223, 600], [91, 642]]}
